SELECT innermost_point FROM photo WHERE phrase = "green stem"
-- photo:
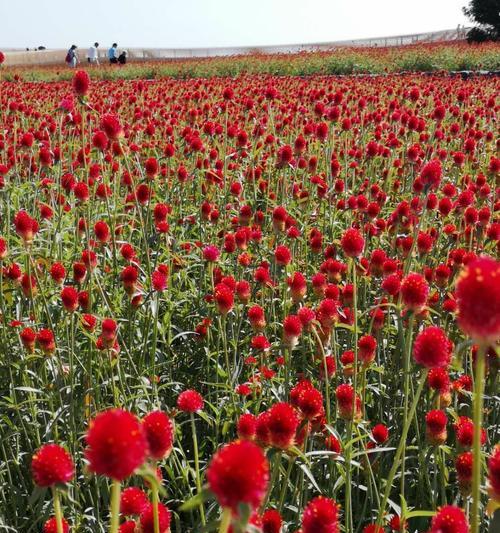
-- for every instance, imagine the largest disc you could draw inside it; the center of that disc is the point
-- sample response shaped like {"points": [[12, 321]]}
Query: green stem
{"points": [[225, 520], [476, 447], [197, 466], [57, 510], [115, 506], [402, 442], [406, 370], [156, 501]]}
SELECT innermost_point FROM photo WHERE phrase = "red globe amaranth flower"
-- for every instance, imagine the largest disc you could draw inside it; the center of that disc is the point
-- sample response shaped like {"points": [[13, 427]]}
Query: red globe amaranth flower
{"points": [[211, 253], [45, 341], [449, 519], [247, 426], [133, 500], [463, 466], [271, 521], [435, 427], [494, 474], [367, 346], [128, 527], [159, 431], [239, 473], [100, 140], [224, 298], [414, 291], [159, 278], [51, 465], [320, 516], [146, 520], [352, 243], [116, 444], [26, 227], [28, 337], [464, 431], [282, 255], [282, 424], [349, 404], [257, 318], [190, 401], [432, 348], [51, 526], [431, 174], [373, 528], [110, 124], [380, 433], [69, 298], [310, 402], [478, 298], [298, 286], [292, 329], [81, 83]]}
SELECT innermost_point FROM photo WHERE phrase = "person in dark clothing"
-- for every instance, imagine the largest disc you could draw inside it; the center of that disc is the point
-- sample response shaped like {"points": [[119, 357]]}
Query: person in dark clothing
{"points": [[122, 58]]}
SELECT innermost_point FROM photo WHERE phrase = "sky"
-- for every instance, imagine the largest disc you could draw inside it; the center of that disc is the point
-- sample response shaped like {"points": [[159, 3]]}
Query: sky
{"points": [[214, 23]]}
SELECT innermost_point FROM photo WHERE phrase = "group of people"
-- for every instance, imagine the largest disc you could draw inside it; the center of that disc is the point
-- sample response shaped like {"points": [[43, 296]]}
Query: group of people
{"points": [[114, 57]]}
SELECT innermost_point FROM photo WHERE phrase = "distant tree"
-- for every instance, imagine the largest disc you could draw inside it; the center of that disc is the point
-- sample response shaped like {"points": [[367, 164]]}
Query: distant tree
{"points": [[485, 13]]}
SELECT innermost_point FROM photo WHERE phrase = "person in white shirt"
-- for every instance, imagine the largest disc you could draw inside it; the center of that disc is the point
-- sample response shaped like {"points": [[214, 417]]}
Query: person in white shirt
{"points": [[92, 55]]}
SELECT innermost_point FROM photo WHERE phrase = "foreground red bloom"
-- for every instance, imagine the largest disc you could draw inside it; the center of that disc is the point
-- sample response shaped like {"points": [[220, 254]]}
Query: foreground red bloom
{"points": [[432, 348], [380, 433], [128, 527], [239, 473], [320, 516], [247, 426], [116, 444], [478, 298], [352, 243], [348, 402], [146, 519], [159, 431], [51, 526], [211, 253], [69, 298], [282, 425], [271, 521], [282, 255], [463, 466], [292, 328], [133, 500], [46, 342], [26, 227], [373, 528], [494, 474], [190, 401], [52, 465], [449, 519], [111, 125], [81, 83], [436, 421], [224, 299], [414, 291], [431, 174]]}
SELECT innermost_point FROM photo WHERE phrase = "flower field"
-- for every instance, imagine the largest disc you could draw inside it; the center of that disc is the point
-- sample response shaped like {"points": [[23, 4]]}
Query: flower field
{"points": [[425, 57], [254, 304]]}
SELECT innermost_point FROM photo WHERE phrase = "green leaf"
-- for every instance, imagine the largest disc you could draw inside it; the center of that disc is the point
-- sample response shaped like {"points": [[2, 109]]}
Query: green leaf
{"points": [[197, 500]]}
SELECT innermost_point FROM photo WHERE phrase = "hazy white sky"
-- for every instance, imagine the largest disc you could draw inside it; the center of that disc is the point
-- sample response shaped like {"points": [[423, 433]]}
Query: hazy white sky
{"points": [[200, 23]]}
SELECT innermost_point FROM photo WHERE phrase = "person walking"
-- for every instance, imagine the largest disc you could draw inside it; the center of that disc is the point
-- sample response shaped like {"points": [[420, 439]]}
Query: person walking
{"points": [[92, 55], [71, 56], [113, 54]]}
